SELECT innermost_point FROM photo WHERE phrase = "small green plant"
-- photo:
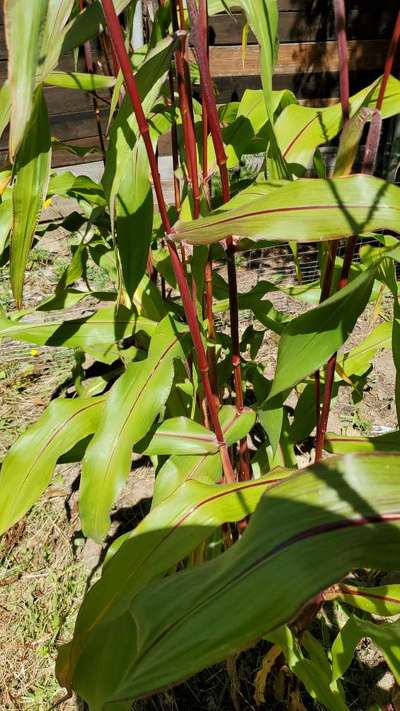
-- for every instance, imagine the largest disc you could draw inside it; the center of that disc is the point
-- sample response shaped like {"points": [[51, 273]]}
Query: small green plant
{"points": [[239, 545]]}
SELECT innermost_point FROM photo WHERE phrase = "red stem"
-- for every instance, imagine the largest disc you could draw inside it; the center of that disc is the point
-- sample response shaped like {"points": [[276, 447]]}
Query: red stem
{"points": [[389, 61], [131, 87], [215, 130]]}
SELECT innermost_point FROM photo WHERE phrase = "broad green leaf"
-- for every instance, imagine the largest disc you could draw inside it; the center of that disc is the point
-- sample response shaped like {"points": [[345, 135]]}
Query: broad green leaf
{"points": [[31, 170], [97, 334], [307, 210], [178, 469], [134, 402], [87, 24], [5, 106], [181, 624], [165, 536], [179, 435], [388, 442], [313, 670], [58, 12], [205, 468], [385, 636], [134, 218], [124, 129], [301, 129], [383, 600], [24, 25], [27, 468], [79, 80], [311, 338], [357, 360], [243, 134], [6, 217], [67, 184]]}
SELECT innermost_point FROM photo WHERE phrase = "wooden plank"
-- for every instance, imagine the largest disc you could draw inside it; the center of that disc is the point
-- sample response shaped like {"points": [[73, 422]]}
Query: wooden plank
{"points": [[296, 26], [298, 57], [309, 88]]}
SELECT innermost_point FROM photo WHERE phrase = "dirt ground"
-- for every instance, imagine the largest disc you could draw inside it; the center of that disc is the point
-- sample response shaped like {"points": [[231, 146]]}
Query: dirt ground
{"points": [[45, 560]]}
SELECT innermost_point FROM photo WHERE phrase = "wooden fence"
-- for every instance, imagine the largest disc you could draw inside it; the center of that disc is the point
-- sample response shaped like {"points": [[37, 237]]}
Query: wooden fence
{"points": [[307, 63]]}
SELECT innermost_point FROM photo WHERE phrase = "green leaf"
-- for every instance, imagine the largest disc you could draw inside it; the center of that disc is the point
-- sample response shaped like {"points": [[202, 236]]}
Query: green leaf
{"points": [[205, 468], [87, 24], [385, 636], [165, 536], [388, 442], [27, 468], [6, 217], [383, 600], [307, 210], [134, 402], [58, 12], [24, 24], [5, 106], [179, 435], [357, 360], [300, 129], [31, 170], [134, 218], [310, 339], [67, 184], [314, 670], [181, 624], [97, 334], [78, 80]]}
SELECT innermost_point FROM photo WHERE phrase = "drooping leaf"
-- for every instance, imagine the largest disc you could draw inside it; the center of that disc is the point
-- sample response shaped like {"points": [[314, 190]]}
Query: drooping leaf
{"points": [[79, 80], [98, 334], [383, 600], [349, 504], [27, 468], [307, 210], [24, 25], [164, 537], [134, 402], [311, 338], [337, 444], [31, 170]]}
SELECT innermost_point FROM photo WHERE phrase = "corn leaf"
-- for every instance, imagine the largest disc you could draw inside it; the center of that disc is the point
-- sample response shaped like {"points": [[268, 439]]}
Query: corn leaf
{"points": [[385, 636], [31, 169], [134, 402], [167, 632], [169, 533], [79, 80], [24, 25], [311, 338], [307, 210], [97, 334], [27, 468]]}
